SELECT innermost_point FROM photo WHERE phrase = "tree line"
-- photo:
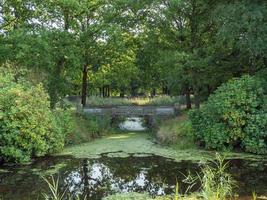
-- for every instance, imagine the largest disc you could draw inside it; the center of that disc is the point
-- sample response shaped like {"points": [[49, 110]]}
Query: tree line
{"points": [[126, 47]]}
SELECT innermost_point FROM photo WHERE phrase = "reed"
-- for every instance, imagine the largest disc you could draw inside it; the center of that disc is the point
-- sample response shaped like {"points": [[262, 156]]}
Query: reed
{"points": [[216, 182], [55, 193]]}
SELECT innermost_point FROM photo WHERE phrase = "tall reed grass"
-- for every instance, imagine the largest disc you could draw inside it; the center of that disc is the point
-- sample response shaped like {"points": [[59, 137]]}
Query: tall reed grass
{"points": [[216, 182], [156, 101], [55, 193]]}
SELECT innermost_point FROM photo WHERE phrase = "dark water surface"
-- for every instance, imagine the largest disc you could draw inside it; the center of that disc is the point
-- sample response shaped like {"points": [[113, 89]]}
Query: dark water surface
{"points": [[100, 177]]}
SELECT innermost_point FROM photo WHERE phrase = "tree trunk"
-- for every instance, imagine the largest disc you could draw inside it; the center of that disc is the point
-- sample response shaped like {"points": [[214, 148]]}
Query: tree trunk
{"points": [[100, 91], [103, 91], [153, 94], [197, 99], [122, 93], [108, 91], [188, 98], [84, 85]]}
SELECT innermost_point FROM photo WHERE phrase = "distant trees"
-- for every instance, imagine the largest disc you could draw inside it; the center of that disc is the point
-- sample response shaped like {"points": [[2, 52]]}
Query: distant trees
{"points": [[176, 47]]}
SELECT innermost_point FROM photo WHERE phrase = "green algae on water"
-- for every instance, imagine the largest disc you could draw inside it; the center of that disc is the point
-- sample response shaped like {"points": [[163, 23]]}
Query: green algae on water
{"points": [[141, 144], [51, 171]]}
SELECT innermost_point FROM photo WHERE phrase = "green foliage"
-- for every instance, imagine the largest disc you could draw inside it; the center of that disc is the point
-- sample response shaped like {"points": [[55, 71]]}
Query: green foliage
{"points": [[27, 126], [234, 116], [176, 132], [98, 125], [80, 128], [65, 120]]}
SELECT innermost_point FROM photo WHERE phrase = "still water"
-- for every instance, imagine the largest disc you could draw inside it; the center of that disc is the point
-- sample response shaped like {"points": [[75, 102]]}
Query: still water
{"points": [[133, 124], [97, 178]]}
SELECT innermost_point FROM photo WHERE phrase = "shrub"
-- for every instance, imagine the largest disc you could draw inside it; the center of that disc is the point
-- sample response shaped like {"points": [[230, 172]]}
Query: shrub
{"points": [[234, 116], [65, 120], [27, 126]]}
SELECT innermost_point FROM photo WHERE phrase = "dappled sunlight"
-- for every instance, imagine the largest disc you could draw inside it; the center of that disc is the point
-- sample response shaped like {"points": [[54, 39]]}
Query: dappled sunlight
{"points": [[127, 135], [119, 137], [132, 133]]}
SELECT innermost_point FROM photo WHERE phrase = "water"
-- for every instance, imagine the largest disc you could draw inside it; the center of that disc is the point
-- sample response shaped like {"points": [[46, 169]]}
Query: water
{"points": [[132, 124], [97, 178]]}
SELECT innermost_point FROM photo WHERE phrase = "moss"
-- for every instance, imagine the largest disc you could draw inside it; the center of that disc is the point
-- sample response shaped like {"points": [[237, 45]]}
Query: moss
{"points": [[141, 143]]}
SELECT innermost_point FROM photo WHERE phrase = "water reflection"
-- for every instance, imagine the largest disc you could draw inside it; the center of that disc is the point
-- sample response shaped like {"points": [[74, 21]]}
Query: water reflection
{"points": [[133, 124], [96, 178]]}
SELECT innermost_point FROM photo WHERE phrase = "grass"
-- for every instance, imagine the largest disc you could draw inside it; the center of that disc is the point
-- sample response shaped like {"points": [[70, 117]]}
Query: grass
{"points": [[81, 128], [80, 131], [114, 101], [176, 132]]}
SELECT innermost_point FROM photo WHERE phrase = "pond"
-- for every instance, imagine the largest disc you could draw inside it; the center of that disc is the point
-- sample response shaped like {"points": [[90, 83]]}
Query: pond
{"points": [[97, 178]]}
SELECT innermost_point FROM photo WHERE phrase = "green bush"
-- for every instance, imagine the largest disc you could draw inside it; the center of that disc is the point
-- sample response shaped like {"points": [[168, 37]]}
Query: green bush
{"points": [[27, 126], [234, 116], [65, 120]]}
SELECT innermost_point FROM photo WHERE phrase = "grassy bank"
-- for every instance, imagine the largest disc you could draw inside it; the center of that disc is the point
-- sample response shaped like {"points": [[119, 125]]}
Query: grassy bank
{"points": [[79, 127], [176, 132]]}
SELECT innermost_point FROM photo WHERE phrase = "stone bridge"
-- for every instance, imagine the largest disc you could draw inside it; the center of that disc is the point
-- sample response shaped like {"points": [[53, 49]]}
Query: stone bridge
{"points": [[132, 111]]}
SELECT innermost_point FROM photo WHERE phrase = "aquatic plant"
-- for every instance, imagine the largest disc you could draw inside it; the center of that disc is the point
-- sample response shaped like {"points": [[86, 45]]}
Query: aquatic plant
{"points": [[216, 182], [254, 195], [55, 193]]}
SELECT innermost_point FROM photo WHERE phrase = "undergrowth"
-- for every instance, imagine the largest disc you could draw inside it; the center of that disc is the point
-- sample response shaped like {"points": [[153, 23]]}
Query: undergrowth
{"points": [[176, 132], [156, 101]]}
